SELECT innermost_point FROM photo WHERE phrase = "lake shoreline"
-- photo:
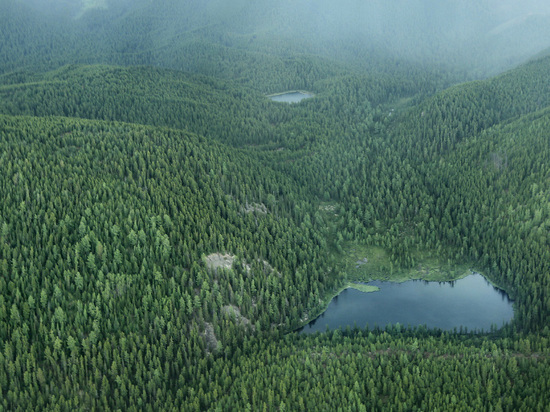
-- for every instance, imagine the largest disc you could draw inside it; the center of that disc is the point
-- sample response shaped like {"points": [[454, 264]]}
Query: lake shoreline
{"points": [[310, 94], [326, 302], [361, 284], [472, 302]]}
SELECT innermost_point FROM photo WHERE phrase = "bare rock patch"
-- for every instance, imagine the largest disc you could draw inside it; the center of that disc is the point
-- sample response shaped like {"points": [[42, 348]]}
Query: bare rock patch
{"points": [[217, 260]]}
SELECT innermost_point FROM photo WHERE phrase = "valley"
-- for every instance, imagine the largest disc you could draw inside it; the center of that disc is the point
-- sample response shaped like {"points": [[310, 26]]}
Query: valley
{"points": [[166, 227]]}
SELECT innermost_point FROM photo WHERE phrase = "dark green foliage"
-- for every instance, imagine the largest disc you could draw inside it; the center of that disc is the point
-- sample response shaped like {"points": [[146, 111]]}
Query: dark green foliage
{"points": [[453, 181], [362, 370], [118, 184], [104, 229]]}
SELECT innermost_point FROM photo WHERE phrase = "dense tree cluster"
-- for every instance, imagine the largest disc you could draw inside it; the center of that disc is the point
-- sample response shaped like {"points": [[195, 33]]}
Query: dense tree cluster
{"points": [[396, 369], [162, 233], [104, 229]]}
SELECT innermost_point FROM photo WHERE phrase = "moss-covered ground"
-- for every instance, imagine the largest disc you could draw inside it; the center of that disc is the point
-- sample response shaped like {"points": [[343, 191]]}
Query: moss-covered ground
{"points": [[361, 262]]}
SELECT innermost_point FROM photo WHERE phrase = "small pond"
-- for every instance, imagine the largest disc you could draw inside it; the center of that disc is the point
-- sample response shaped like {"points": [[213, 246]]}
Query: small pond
{"points": [[471, 302], [290, 97]]}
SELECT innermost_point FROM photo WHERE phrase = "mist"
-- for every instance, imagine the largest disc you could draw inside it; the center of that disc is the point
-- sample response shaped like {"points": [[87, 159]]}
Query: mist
{"points": [[484, 36], [64, 8], [481, 37]]}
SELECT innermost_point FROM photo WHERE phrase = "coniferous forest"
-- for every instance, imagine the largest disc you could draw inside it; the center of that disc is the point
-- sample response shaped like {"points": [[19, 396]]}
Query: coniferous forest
{"points": [[166, 228]]}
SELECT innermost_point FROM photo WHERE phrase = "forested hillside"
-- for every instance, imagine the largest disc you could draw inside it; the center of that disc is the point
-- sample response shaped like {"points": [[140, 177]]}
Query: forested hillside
{"points": [[105, 232], [248, 40], [165, 226], [214, 108], [459, 177]]}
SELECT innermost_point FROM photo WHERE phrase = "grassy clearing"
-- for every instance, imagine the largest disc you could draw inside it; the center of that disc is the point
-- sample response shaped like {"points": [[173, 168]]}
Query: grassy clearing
{"points": [[373, 263], [364, 263], [361, 263], [363, 287]]}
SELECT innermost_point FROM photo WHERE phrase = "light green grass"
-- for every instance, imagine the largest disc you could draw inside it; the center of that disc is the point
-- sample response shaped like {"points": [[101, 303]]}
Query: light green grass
{"points": [[363, 287], [379, 267], [350, 261]]}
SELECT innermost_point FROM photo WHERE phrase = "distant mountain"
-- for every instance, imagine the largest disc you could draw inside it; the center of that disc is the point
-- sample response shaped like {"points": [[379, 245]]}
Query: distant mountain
{"points": [[165, 226], [478, 38]]}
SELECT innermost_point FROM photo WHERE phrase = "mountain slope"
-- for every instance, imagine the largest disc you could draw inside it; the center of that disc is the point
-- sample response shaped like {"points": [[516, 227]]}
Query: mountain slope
{"points": [[108, 233], [162, 233], [464, 41]]}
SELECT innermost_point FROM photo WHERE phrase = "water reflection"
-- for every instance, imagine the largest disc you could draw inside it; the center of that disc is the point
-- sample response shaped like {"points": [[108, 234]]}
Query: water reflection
{"points": [[291, 97], [470, 303]]}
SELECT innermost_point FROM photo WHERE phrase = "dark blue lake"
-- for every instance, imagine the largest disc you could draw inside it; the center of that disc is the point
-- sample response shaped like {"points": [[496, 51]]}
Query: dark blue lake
{"points": [[471, 302], [292, 97]]}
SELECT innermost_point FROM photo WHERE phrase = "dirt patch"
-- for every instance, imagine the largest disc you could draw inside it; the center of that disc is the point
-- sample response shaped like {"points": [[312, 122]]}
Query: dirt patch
{"points": [[328, 208], [255, 207], [498, 160], [235, 312], [270, 269], [217, 260], [210, 338]]}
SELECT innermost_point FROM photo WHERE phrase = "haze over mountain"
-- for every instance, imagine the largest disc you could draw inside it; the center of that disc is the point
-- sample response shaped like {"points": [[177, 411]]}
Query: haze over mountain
{"points": [[167, 226], [478, 38]]}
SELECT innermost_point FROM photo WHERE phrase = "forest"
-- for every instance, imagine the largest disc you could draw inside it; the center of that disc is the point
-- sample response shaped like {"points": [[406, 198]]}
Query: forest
{"points": [[165, 227]]}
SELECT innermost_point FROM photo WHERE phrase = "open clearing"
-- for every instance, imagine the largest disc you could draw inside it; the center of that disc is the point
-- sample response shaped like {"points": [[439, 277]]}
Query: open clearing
{"points": [[217, 260], [373, 263]]}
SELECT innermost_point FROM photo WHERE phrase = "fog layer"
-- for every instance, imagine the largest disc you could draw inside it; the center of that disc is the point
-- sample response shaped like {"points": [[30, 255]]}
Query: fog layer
{"points": [[480, 36]]}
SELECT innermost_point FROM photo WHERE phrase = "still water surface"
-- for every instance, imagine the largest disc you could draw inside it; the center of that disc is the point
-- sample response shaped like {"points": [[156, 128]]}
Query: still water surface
{"points": [[292, 97], [471, 302]]}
